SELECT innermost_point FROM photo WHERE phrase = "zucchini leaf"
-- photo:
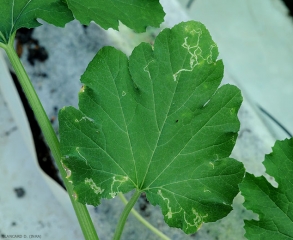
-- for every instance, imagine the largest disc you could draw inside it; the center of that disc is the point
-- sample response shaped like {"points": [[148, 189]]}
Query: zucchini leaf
{"points": [[273, 205], [16, 14], [157, 122]]}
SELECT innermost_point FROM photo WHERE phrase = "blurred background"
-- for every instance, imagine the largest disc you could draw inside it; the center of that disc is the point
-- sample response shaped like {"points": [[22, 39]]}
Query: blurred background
{"points": [[255, 42]]}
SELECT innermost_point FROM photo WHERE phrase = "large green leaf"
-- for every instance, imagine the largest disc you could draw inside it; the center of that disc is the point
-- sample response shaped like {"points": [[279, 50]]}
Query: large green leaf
{"points": [[273, 205], [136, 14], [15, 14], [159, 123]]}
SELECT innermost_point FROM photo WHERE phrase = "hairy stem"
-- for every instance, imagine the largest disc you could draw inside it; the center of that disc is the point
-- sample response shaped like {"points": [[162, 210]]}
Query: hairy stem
{"points": [[125, 214], [50, 136], [143, 221]]}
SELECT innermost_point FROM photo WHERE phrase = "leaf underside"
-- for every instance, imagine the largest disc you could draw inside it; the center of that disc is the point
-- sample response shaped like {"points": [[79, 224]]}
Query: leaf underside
{"points": [[157, 122], [16, 14], [136, 14], [273, 205]]}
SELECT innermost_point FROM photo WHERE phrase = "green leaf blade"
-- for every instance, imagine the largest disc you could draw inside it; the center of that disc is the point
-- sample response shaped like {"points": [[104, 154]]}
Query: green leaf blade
{"points": [[136, 14], [17, 14], [273, 205], [213, 187], [166, 128]]}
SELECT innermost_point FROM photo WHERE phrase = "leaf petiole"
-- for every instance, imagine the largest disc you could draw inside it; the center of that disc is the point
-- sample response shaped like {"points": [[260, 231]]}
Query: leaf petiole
{"points": [[125, 214], [50, 136], [143, 221]]}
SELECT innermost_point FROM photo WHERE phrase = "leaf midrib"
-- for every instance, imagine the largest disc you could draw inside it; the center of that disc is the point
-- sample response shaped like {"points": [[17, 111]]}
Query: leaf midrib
{"points": [[160, 131], [155, 113]]}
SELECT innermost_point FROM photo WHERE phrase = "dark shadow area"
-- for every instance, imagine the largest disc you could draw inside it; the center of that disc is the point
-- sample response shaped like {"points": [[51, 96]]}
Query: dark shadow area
{"points": [[42, 150], [289, 4]]}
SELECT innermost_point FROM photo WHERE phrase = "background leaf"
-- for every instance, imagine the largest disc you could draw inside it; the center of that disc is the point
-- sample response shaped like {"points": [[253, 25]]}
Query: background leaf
{"points": [[15, 14], [136, 14], [273, 205], [159, 123]]}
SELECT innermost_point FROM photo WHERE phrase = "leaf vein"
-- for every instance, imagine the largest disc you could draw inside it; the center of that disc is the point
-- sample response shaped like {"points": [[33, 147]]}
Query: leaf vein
{"points": [[189, 141]]}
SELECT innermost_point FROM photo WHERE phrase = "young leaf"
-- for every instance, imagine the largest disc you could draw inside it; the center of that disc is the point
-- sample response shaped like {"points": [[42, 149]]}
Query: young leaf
{"points": [[136, 14], [15, 14], [273, 205], [159, 123]]}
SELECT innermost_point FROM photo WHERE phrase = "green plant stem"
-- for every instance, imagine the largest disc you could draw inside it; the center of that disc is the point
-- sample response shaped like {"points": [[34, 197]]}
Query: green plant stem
{"points": [[125, 214], [50, 136], [143, 221]]}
